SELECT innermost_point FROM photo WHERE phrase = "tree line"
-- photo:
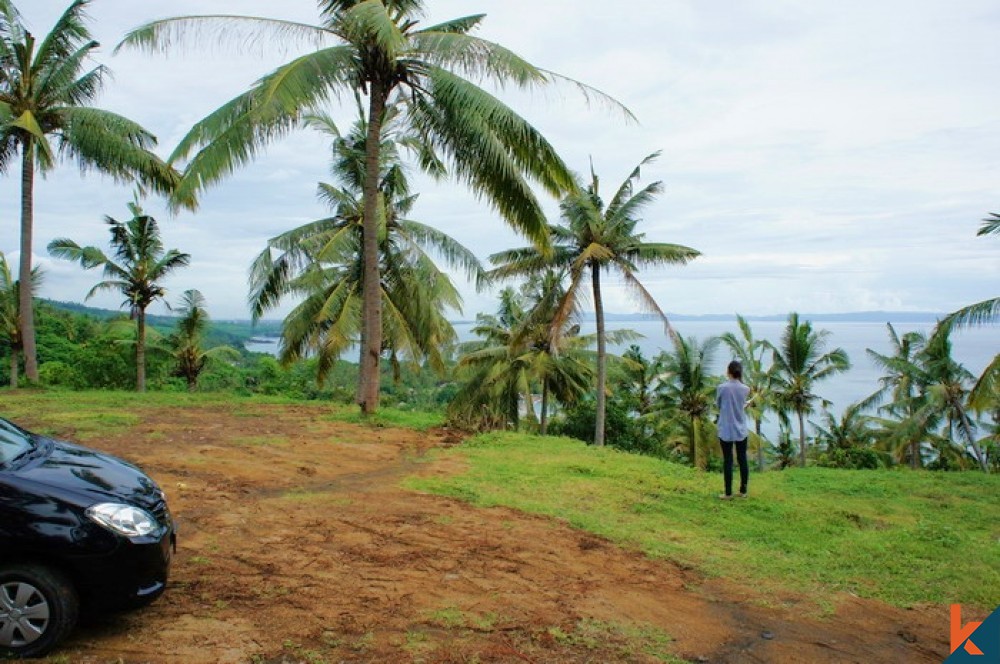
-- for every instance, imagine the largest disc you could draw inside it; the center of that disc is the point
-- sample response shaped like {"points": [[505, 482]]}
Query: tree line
{"points": [[367, 276]]}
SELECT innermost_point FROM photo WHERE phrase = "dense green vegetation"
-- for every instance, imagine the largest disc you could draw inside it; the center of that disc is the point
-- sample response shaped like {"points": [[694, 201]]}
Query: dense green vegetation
{"points": [[901, 537], [364, 277]]}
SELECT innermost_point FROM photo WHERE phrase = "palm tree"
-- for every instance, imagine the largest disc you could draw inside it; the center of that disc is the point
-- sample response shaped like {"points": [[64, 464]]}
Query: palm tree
{"points": [[188, 338], [799, 363], [853, 429], [944, 389], [322, 262], [638, 378], [45, 92], [687, 391], [985, 395], [515, 358], [10, 318], [599, 238], [376, 48], [750, 351], [141, 264], [899, 384], [987, 311]]}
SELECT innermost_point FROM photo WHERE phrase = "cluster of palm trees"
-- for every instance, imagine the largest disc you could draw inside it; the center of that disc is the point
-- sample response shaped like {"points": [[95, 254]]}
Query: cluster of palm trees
{"points": [[46, 88], [377, 51], [927, 412]]}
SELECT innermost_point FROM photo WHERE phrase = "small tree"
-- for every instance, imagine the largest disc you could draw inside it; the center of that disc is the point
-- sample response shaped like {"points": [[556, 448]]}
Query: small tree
{"points": [[187, 340], [139, 263]]}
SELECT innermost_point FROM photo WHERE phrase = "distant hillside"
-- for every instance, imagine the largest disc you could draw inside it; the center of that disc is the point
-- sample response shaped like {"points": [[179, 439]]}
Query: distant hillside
{"points": [[227, 332]]}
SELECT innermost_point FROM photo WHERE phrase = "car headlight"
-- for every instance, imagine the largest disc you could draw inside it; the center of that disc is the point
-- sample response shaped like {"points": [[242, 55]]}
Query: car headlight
{"points": [[123, 519]]}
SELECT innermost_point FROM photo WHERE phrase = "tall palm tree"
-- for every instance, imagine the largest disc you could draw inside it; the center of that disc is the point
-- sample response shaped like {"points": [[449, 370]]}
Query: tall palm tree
{"points": [[987, 311], [377, 48], [137, 266], [322, 262], [45, 92], [750, 351], [799, 363], [187, 339], [599, 237], [687, 390], [985, 395], [943, 397], [10, 314], [899, 389]]}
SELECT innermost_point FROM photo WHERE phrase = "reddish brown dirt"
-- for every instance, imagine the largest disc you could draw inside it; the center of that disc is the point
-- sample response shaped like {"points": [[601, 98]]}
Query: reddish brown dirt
{"points": [[298, 544]]}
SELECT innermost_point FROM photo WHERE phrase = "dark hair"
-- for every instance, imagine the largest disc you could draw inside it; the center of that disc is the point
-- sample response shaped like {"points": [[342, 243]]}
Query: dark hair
{"points": [[735, 369]]}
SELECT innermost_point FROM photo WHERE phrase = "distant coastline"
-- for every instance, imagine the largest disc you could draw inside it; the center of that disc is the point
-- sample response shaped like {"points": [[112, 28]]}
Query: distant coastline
{"points": [[272, 326], [851, 317]]}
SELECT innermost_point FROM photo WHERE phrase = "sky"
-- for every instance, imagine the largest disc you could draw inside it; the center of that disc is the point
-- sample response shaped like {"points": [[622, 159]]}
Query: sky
{"points": [[823, 157]]}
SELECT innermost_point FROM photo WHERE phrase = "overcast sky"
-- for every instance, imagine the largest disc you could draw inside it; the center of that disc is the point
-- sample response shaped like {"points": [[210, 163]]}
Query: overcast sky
{"points": [[823, 157]]}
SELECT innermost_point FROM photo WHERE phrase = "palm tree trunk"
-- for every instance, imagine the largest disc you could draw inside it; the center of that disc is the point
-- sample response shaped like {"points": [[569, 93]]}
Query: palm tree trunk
{"points": [[695, 461], [26, 307], [915, 454], [140, 351], [544, 426], [371, 307], [13, 368], [802, 438], [760, 446], [601, 405]]}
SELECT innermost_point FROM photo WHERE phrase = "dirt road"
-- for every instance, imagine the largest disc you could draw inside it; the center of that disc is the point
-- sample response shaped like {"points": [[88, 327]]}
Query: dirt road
{"points": [[298, 545]]}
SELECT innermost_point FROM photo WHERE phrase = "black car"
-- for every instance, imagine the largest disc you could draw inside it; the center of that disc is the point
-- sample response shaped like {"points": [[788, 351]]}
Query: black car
{"points": [[80, 532]]}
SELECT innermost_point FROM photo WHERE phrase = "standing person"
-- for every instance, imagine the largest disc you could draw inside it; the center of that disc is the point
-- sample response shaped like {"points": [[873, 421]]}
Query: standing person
{"points": [[731, 398]]}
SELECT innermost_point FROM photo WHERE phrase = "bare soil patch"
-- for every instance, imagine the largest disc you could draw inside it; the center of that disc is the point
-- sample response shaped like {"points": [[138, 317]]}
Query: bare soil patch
{"points": [[297, 544]]}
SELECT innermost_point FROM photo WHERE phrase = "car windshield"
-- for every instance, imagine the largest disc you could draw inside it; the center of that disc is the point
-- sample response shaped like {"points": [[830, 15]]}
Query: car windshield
{"points": [[13, 442]]}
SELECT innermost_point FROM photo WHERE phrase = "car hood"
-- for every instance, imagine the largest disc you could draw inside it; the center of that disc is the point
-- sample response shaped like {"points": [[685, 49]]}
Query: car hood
{"points": [[65, 468]]}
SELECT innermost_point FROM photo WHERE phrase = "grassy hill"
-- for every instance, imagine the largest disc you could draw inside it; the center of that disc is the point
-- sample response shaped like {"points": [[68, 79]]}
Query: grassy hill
{"points": [[899, 536]]}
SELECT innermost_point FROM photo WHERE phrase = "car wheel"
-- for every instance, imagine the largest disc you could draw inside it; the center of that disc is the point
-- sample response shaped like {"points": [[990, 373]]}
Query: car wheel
{"points": [[38, 609]]}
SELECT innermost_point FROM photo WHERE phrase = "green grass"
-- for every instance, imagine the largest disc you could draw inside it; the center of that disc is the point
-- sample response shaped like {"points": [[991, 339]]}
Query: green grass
{"points": [[902, 537], [389, 417]]}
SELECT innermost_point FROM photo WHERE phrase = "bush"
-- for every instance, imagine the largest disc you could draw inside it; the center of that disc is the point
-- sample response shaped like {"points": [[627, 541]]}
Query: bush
{"points": [[621, 429], [853, 458]]}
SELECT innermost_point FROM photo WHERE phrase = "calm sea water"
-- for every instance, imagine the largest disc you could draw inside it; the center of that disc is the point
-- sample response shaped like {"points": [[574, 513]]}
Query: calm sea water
{"points": [[974, 348]]}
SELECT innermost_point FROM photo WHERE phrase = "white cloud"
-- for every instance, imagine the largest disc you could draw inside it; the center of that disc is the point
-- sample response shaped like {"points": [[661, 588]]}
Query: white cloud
{"points": [[822, 157]]}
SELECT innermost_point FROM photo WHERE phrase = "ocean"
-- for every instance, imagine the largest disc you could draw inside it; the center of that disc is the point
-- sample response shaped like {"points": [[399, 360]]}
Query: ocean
{"points": [[974, 348]]}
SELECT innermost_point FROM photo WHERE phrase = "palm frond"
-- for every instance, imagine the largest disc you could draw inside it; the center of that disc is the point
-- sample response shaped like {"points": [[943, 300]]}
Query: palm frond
{"points": [[242, 33]]}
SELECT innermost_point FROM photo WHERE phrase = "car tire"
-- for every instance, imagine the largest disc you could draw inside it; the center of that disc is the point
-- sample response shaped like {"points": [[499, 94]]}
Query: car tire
{"points": [[38, 609]]}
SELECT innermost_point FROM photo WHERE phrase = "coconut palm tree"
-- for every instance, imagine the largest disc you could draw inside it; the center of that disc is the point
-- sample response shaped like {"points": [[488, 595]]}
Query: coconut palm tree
{"points": [[514, 359], [377, 48], [799, 363], [687, 391], [10, 317], [899, 385], [944, 386], [599, 237], [45, 92], [186, 341], [137, 266], [638, 378], [985, 395], [322, 262], [750, 351], [987, 311]]}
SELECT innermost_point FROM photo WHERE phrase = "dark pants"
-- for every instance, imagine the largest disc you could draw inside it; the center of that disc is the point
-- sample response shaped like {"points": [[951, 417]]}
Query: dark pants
{"points": [[727, 463]]}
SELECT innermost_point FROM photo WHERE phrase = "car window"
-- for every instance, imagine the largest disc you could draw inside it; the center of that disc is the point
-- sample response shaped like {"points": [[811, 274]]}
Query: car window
{"points": [[13, 442]]}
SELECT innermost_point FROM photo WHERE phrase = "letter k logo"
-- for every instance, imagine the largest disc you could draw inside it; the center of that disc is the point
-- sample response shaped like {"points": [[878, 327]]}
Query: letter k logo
{"points": [[960, 634]]}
